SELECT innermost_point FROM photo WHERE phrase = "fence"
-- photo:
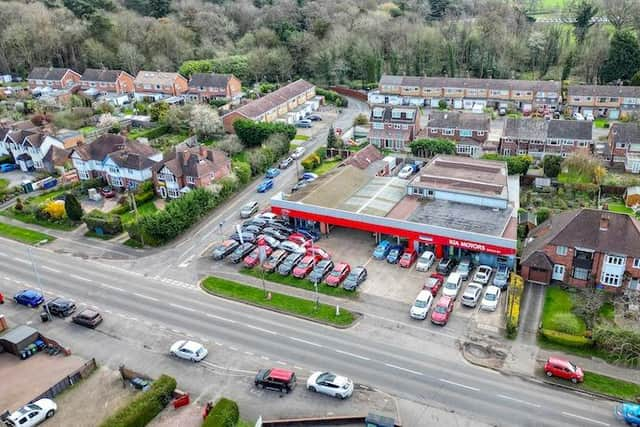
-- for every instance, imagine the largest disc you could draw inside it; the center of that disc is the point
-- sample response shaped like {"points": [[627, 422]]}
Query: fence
{"points": [[362, 96], [68, 381]]}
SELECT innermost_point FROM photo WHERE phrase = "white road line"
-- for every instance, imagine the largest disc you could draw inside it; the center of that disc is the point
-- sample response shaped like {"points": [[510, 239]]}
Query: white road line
{"points": [[112, 287], [135, 319], [181, 307], [261, 329], [352, 355], [233, 348], [248, 353], [264, 358], [146, 297], [186, 262], [219, 343], [306, 342], [219, 318], [122, 315], [569, 414], [404, 369], [524, 402], [459, 385], [279, 362], [75, 276], [175, 331], [298, 367], [21, 260], [45, 267], [108, 311]]}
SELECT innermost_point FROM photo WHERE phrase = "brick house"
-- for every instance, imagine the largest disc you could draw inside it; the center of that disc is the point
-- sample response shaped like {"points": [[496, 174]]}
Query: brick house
{"points": [[584, 247], [30, 148], [603, 101], [107, 81], [204, 87], [156, 85], [54, 78], [624, 145], [393, 126], [468, 130], [538, 137]]}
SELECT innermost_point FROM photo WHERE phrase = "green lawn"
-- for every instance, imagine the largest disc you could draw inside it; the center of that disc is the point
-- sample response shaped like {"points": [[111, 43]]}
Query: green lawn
{"points": [[23, 235], [87, 129], [619, 207], [300, 137], [600, 122], [557, 315], [4, 183], [572, 177], [326, 167], [144, 209], [611, 386], [46, 196], [298, 283], [284, 303], [65, 225], [607, 311]]}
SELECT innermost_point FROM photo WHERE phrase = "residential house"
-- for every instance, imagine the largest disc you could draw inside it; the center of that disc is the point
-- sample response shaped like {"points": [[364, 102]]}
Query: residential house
{"points": [[122, 163], [584, 247], [189, 167], [364, 158], [624, 145], [603, 101], [52, 78], [4, 148], [30, 147], [538, 137], [107, 81], [284, 104], [393, 126], [205, 87], [468, 130], [467, 93], [157, 85]]}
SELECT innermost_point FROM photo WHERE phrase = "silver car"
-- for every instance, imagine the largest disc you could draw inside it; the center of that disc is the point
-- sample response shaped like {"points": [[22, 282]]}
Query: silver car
{"points": [[472, 294], [249, 209], [425, 261], [483, 274]]}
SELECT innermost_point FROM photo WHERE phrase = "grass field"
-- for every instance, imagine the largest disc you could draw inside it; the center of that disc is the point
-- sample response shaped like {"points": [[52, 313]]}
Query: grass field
{"points": [[572, 177], [298, 283], [41, 198], [300, 137], [557, 312], [619, 207], [326, 167], [23, 235], [66, 225]]}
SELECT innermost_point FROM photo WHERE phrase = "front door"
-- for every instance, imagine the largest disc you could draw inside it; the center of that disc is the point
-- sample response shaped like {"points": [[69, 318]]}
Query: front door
{"points": [[558, 272]]}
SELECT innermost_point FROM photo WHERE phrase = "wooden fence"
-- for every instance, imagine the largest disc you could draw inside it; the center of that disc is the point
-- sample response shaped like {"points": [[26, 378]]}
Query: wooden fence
{"points": [[362, 96], [68, 381]]}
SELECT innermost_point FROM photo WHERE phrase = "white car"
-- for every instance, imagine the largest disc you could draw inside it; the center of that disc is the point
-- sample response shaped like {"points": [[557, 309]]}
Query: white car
{"points": [[452, 285], [189, 350], [578, 116], [490, 299], [298, 152], [330, 384], [425, 261], [483, 274], [472, 294], [421, 305], [405, 172], [33, 413]]}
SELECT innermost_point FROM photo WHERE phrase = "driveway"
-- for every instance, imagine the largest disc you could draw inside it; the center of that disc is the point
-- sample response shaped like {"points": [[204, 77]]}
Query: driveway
{"points": [[16, 177], [531, 310]]}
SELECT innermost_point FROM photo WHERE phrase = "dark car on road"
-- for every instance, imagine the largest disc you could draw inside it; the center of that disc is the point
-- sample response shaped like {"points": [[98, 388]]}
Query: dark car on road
{"points": [[87, 317], [29, 297], [61, 307], [224, 249], [274, 260], [241, 251], [355, 278], [289, 263], [278, 379], [321, 270], [394, 254], [445, 266]]}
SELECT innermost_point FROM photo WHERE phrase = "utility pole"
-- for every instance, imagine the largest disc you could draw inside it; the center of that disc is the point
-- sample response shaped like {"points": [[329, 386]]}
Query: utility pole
{"points": [[37, 274], [135, 209]]}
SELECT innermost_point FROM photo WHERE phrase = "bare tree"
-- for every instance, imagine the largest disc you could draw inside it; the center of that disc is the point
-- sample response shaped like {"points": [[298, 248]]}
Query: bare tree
{"points": [[620, 13]]}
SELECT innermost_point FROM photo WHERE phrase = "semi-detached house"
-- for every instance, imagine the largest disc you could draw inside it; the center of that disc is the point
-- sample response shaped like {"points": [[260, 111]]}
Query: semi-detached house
{"points": [[32, 149], [469, 131], [393, 126], [53, 78], [624, 145], [157, 85], [107, 81], [205, 87]]}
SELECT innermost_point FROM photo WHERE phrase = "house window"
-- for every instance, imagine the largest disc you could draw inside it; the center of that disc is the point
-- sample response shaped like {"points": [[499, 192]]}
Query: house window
{"points": [[636, 263], [576, 99], [191, 180], [116, 181], [613, 99], [480, 133], [611, 279], [615, 260], [602, 99], [567, 142], [173, 193], [396, 126], [158, 87], [562, 250], [433, 130], [83, 174], [466, 132], [580, 273], [378, 125], [620, 145], [114, 170], [634, 284], [447, 132], [405, 127], [167, 177]]}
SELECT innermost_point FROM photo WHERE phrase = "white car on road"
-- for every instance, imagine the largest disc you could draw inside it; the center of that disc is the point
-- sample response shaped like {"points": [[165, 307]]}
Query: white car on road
{"points": [[491, 299], [188, 350], [33, 413], [421, 305], [330, 384], [483, 274], [298, 152]]}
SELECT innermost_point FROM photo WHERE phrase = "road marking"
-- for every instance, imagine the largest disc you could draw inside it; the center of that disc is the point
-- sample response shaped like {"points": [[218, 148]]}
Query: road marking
{"points": [[264, 358], [135, 319], [44, 267], [569, 414], [21, 260], [219, 318], [175, 331], [181, 307], [404, 369], [298, 367], [306, 342], [248, 353], [279, 362], [219, 343], [352, 355], [75, 276], [524, 402], [261, 329], [368, 261], [112, 287], [186, 262], [145, 297], [233, 348], [459, 385]]}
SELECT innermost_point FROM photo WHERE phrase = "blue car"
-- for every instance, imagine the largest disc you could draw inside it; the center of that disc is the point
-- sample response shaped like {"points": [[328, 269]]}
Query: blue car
{"points": [[265, 185], [8, 167], [629, 413], [272, 173], [394, 254], [29, 297], [309, 234], [309, 176], [382, 250]]}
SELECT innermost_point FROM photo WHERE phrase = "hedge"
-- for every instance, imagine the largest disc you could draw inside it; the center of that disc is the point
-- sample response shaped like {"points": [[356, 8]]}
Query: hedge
{"points": [[108, 222], [332, 97], [566, 339], [141, 410], [225, 413]]}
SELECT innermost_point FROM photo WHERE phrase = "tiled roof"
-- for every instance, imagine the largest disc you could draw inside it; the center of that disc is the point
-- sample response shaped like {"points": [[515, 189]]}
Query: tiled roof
{"points": [[395, 134], [260, 106], [470, 83], [57, 156], [539, 129], [459, 120], [131, 160], [44, 73], [194, 162], [156, 77], [570, 129], [625, 132], [363, 158], [526, 129], [109, 144], [538, 259], [96, 75], [209, 80], [604, 90]]}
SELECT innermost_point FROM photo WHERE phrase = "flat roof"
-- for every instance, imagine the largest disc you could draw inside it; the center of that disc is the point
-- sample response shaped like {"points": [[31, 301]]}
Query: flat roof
{"points": [[377, 197]]}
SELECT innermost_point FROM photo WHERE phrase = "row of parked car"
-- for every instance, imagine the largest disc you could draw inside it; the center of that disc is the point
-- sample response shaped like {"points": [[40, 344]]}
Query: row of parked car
{"points": [[60, 307]]}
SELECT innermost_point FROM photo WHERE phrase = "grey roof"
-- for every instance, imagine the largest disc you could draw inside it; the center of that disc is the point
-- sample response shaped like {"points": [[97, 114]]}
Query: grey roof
{"points": [[255, 109], [526, 128], [18, 334], [625, 132], [471, 83], [604, 90], [570, 129], [387, 114], [96, 75], [44, 73], [125, 153], [209, 80], [459, 120], [157, 77]]}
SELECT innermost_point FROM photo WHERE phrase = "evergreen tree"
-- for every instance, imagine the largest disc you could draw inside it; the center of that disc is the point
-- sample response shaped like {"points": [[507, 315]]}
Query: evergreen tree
{"points": [[624, 58], [332, 139], [72, 207]]}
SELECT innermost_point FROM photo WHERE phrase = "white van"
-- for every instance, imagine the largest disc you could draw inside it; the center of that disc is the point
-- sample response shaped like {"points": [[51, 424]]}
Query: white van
{"points": [[452, 286]]}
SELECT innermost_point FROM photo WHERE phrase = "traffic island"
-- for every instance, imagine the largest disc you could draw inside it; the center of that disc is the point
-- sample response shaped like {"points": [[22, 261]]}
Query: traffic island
{"points": [[281, 303]]}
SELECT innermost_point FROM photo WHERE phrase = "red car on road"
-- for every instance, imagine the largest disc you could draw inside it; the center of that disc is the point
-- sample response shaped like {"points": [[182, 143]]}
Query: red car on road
{"points": [[442, 311], [338, 274], [305, 266], [253, 258], [561, 368], [433, 283], [408, 258]]}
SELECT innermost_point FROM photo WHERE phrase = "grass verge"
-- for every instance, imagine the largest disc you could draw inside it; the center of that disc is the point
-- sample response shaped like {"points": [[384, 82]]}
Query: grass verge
{"points": [[144, 209], [298, 283], [284, 303], [66, 225], [23, 235], [133, 244], [326, 167], [300, 137], [610, 386]]}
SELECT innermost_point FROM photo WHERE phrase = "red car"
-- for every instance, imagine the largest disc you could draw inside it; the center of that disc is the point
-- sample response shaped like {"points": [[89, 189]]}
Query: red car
{"points": [[338, 274], [433, 283], [442, 311], [561, 368], [253, 258], [1, 298], [408, 258], [305, 266], [300, 240], [107, 192], [314, 250]]}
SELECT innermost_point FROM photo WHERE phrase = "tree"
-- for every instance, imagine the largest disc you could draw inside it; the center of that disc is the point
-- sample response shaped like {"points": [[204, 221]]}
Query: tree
{"points": [[205, 121], [195, 66], [230, 145], [438, 8], [620, 13], [583, 12], [552, 165], [72, 207], [624, 57], [158, 111], [542, 215], [442, 104], [254, 134], [361, 120], [431, 147], [332, 138], [587, 305]]}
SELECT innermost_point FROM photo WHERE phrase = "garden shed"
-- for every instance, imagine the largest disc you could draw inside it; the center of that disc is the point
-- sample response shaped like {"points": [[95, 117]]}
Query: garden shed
{"points": [[18, 338]]}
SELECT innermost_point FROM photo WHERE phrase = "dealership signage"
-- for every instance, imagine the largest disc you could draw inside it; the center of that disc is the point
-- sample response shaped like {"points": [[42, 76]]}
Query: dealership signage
{"points": [[478, 247]]}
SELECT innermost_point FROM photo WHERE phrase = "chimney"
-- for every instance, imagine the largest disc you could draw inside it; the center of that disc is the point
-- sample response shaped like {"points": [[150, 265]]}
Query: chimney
{"points": [[604, 222]]}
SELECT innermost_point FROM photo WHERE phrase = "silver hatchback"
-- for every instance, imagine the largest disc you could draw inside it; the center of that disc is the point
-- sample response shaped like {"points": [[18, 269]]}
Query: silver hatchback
{"points": [[472, 294]]}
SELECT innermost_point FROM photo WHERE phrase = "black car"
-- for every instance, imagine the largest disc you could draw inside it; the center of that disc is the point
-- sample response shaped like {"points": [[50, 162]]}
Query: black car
{"points": [[87, 317], [224, 249], [278, 379], [289, 263], [299, 185], [241, 251], [251, 228], [321, 269], [259, 222], [445, 266], [314, 118], [246, 237], [275, 233], [61, 307], [355, 278]]}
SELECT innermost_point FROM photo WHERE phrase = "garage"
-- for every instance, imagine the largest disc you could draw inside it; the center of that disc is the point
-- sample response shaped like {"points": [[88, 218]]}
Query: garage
{"points": [[18, 338]]}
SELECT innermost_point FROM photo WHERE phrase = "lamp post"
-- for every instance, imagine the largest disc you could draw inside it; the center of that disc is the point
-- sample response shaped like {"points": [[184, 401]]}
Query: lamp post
{"points": [[135, 209], [37, 274]]}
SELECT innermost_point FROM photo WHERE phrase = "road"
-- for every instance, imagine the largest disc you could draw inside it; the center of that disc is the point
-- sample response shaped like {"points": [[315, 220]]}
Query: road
{"points": [[410, 374]]}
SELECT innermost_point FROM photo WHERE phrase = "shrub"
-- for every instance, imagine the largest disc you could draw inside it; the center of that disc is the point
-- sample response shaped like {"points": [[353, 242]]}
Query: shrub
{"points": [[542, 214], [254, 134], [72, 207], [311, 162], [622, 344], [552, 165], [242, 171], [332, 97], [217, 103], [141, 410], [568, 340], [225, 413], [54, 209], [230, 145], [516, 288], [109, 223]]}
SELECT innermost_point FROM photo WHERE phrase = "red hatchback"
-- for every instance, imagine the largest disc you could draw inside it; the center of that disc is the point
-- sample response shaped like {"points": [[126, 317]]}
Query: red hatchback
{"points": [[299, 239], [338, 274], [556, 367], [305, 266], [442, 311], [314, 250], [253, 258], [408, 258], [433, 283]]}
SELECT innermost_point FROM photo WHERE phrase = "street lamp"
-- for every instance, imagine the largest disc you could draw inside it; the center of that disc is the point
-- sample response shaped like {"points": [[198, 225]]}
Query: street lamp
{"points": [[35, 271]]}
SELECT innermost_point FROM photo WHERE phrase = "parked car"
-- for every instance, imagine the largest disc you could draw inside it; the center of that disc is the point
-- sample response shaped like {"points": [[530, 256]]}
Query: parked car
{"points": [[408, 258], [278, 379], [308, 234], [300, 184], [269, 217], [305, 266], [577, 116], [265, 186], [275, 233], [304, 123], [251, 228], [309, 176], [314, 250], [188, 350], [32, 414], [272, 173], [272, 242], [321, 270], [285, 163], [290, 246], [253, 258], [382, 250], [107, 192], [241, 251], [445, 266], [61, 307], [298, 152], [274, 260], [289, 263], [561, 368], [243, 237], [225, 248], [406, 172], [299, 240], [425, 261], [490, 299], [330, 384], [433, 283], [472, 294], [394, 254], [88, 318], [250, 209], [465, 267], [442, 311], [501, 278], [8, 167], [421, 305], [355, 278], [29, 297], [483, 274], [452, 285], [628, 413], [256, 221], [338, 274], [314, 118], [502, 111]]}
